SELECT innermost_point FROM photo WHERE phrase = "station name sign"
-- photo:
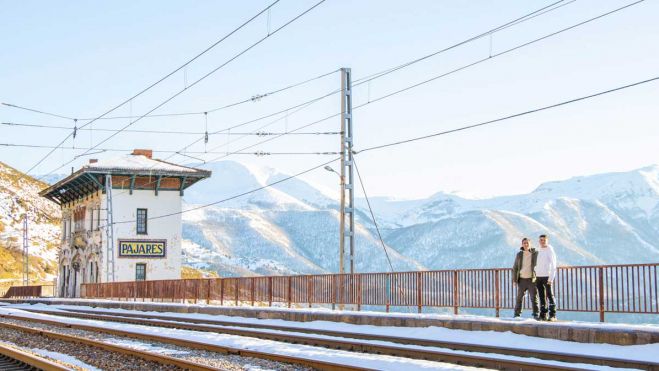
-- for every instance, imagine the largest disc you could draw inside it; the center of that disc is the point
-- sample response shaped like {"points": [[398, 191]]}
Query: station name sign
{"points": [[142, 248]]}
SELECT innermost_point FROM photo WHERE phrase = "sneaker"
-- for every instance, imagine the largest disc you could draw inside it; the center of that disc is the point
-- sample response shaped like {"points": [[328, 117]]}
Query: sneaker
{"points": [[516, 316], [543, 317], [552, 319], [536, 317]]}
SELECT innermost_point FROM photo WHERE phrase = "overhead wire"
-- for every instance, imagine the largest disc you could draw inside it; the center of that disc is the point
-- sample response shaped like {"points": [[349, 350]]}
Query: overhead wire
{"points": [[479, 61], [182, 132], [508, 117], [160, 80], [198, 80]]}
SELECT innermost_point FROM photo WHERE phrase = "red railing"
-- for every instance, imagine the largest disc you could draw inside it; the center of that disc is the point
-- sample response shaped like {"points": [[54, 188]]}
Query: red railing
{"points": [[629, 288]]}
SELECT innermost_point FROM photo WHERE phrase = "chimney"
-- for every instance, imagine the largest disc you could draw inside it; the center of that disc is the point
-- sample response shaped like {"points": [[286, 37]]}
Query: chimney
{"points": [[93, 160], [143, 152]]}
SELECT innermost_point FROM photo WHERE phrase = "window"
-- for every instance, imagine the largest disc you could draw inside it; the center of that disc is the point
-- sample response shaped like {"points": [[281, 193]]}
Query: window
{"points": [[140, 272], [91, 220], [98, 218], [141, 221]]}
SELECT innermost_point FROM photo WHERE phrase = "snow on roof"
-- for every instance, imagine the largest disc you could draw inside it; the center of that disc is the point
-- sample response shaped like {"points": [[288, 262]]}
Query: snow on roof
{"points": [[138, 163]]}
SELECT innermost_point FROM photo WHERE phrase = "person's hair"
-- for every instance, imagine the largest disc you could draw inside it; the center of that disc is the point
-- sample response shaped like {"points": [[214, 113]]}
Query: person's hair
{"points": [[524, 239], [542, 235]]}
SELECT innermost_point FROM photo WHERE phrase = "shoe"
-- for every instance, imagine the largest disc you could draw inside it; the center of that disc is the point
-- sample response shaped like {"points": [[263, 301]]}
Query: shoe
{"points": [[516, 316], [536, 317], [543, 317], [552, 319]]}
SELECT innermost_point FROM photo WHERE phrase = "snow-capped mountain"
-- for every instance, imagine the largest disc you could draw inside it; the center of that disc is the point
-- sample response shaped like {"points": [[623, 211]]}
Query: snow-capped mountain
{"points": [[292, 226]]}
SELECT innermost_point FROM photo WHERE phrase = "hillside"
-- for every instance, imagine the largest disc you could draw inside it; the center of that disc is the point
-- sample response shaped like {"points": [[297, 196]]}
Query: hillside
{"points": [[17, 192]]}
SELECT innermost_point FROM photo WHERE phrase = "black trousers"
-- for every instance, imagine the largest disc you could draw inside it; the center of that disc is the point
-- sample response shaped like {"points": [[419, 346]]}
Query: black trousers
{"points": [[524, 285], [546, 293]]}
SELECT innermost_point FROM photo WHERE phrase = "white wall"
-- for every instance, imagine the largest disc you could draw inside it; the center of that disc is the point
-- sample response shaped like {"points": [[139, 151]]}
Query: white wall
{"points": [[168, 228]]}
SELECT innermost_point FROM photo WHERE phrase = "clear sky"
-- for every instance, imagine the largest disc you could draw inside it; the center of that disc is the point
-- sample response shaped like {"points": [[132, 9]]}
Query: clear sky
{"points": [[82, 58]]}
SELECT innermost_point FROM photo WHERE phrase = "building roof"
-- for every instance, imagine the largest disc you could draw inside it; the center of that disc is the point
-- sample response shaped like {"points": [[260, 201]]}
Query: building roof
{"points": [[91, 177]]}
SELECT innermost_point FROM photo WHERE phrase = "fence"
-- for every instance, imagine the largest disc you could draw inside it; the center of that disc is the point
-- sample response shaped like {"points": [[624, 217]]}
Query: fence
{"points": [[630, 288]]}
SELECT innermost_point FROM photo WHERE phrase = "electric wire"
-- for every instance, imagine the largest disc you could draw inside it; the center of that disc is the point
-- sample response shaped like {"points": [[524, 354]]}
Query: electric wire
{"points": [[504, 118], [256, 133], [158, 82], [525, 44], [196, 81]]}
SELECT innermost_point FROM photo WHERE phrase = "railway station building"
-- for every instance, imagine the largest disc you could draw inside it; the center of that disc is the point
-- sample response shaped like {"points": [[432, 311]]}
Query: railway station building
{"points": [[142, 197]]}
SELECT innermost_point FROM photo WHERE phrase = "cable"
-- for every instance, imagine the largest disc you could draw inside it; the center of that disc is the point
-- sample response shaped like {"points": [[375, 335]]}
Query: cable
{"points": [[524, 18], [544, 108], [514, 22], [197, 81], [257, 133], [448, 73], [160, 80], [370, 209], [258, 153], [237, 195], [37, 111]]}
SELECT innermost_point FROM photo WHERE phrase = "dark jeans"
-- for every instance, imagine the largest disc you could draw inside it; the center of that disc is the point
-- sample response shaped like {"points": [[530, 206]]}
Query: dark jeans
{"points": [[546, 293], [524, 285]]}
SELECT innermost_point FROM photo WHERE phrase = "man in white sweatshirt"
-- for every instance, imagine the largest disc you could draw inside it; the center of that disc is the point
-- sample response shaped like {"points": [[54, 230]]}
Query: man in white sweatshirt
{"points": [[545, 270]]}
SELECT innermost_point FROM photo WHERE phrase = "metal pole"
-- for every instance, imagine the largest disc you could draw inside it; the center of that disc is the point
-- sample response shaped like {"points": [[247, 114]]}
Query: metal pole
{"points": [[26, 266], [109, 231], [347, 179]]}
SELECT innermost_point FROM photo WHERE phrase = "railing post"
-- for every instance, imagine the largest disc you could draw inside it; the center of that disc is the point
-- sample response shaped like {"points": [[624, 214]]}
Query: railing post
{"points": [[601, 292], [455, 292], [269, 291], [290, 291], [253, 291], [497, 297], [359, 291], [134, 290], [309, 290], [221, 291], [388, 289], [208, 292], [237, 287], [333, 290], [419, 288]]}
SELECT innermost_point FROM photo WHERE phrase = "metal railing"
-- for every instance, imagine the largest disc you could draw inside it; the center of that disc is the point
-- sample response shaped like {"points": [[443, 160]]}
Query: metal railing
{"points": [[628, 288]]}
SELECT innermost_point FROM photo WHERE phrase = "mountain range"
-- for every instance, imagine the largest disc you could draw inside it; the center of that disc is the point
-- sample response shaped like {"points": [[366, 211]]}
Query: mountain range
{"points": [[292, 227]]}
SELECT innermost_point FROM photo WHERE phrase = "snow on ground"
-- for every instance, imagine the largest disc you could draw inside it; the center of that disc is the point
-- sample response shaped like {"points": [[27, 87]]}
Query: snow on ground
{"points": [[636, 352], [65, 358], [374, 361]]}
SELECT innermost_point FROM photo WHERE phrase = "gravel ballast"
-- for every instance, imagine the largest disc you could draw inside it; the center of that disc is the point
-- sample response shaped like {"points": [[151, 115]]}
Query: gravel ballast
{"points": [[208, 358]]}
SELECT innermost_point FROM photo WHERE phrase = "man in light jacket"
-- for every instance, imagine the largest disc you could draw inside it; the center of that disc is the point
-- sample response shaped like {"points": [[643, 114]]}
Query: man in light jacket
{"points": [[545, 270], [524, 277]]}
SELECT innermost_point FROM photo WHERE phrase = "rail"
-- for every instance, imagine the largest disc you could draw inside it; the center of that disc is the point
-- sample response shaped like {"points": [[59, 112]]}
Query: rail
{"points": [[625, 288]]}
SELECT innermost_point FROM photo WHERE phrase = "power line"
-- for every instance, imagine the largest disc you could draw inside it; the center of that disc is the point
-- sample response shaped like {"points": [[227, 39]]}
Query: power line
{"points": [[159, 81], [257, 153], [197, 81], [256, 133], [370, 209], [524, 18], [525, 44], [269, 185], [546, 9], [500, 119], [38, 111]]}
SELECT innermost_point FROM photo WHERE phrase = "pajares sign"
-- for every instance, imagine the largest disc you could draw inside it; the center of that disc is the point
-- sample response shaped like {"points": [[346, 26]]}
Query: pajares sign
{"points": [[142, 248]]}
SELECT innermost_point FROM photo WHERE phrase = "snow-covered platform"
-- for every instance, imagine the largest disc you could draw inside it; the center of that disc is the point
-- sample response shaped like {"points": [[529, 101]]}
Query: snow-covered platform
{"points": [[582, 332]]}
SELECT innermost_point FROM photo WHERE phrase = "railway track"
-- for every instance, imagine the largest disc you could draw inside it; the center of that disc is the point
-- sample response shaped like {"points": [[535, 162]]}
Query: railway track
{"points": [[496, 361], [160, 358], [265, 331], [12, 359]]}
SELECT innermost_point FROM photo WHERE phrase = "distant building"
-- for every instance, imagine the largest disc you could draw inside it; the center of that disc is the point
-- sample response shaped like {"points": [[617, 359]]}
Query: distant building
{"points": [[146, 205]]}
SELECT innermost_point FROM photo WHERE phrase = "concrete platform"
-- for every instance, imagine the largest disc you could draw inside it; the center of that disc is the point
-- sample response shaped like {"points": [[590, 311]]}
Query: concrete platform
{"points": [[583, 332]]}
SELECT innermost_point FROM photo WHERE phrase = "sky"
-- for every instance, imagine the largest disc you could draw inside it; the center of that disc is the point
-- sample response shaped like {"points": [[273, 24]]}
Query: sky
{"points": [[80, 59]]}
